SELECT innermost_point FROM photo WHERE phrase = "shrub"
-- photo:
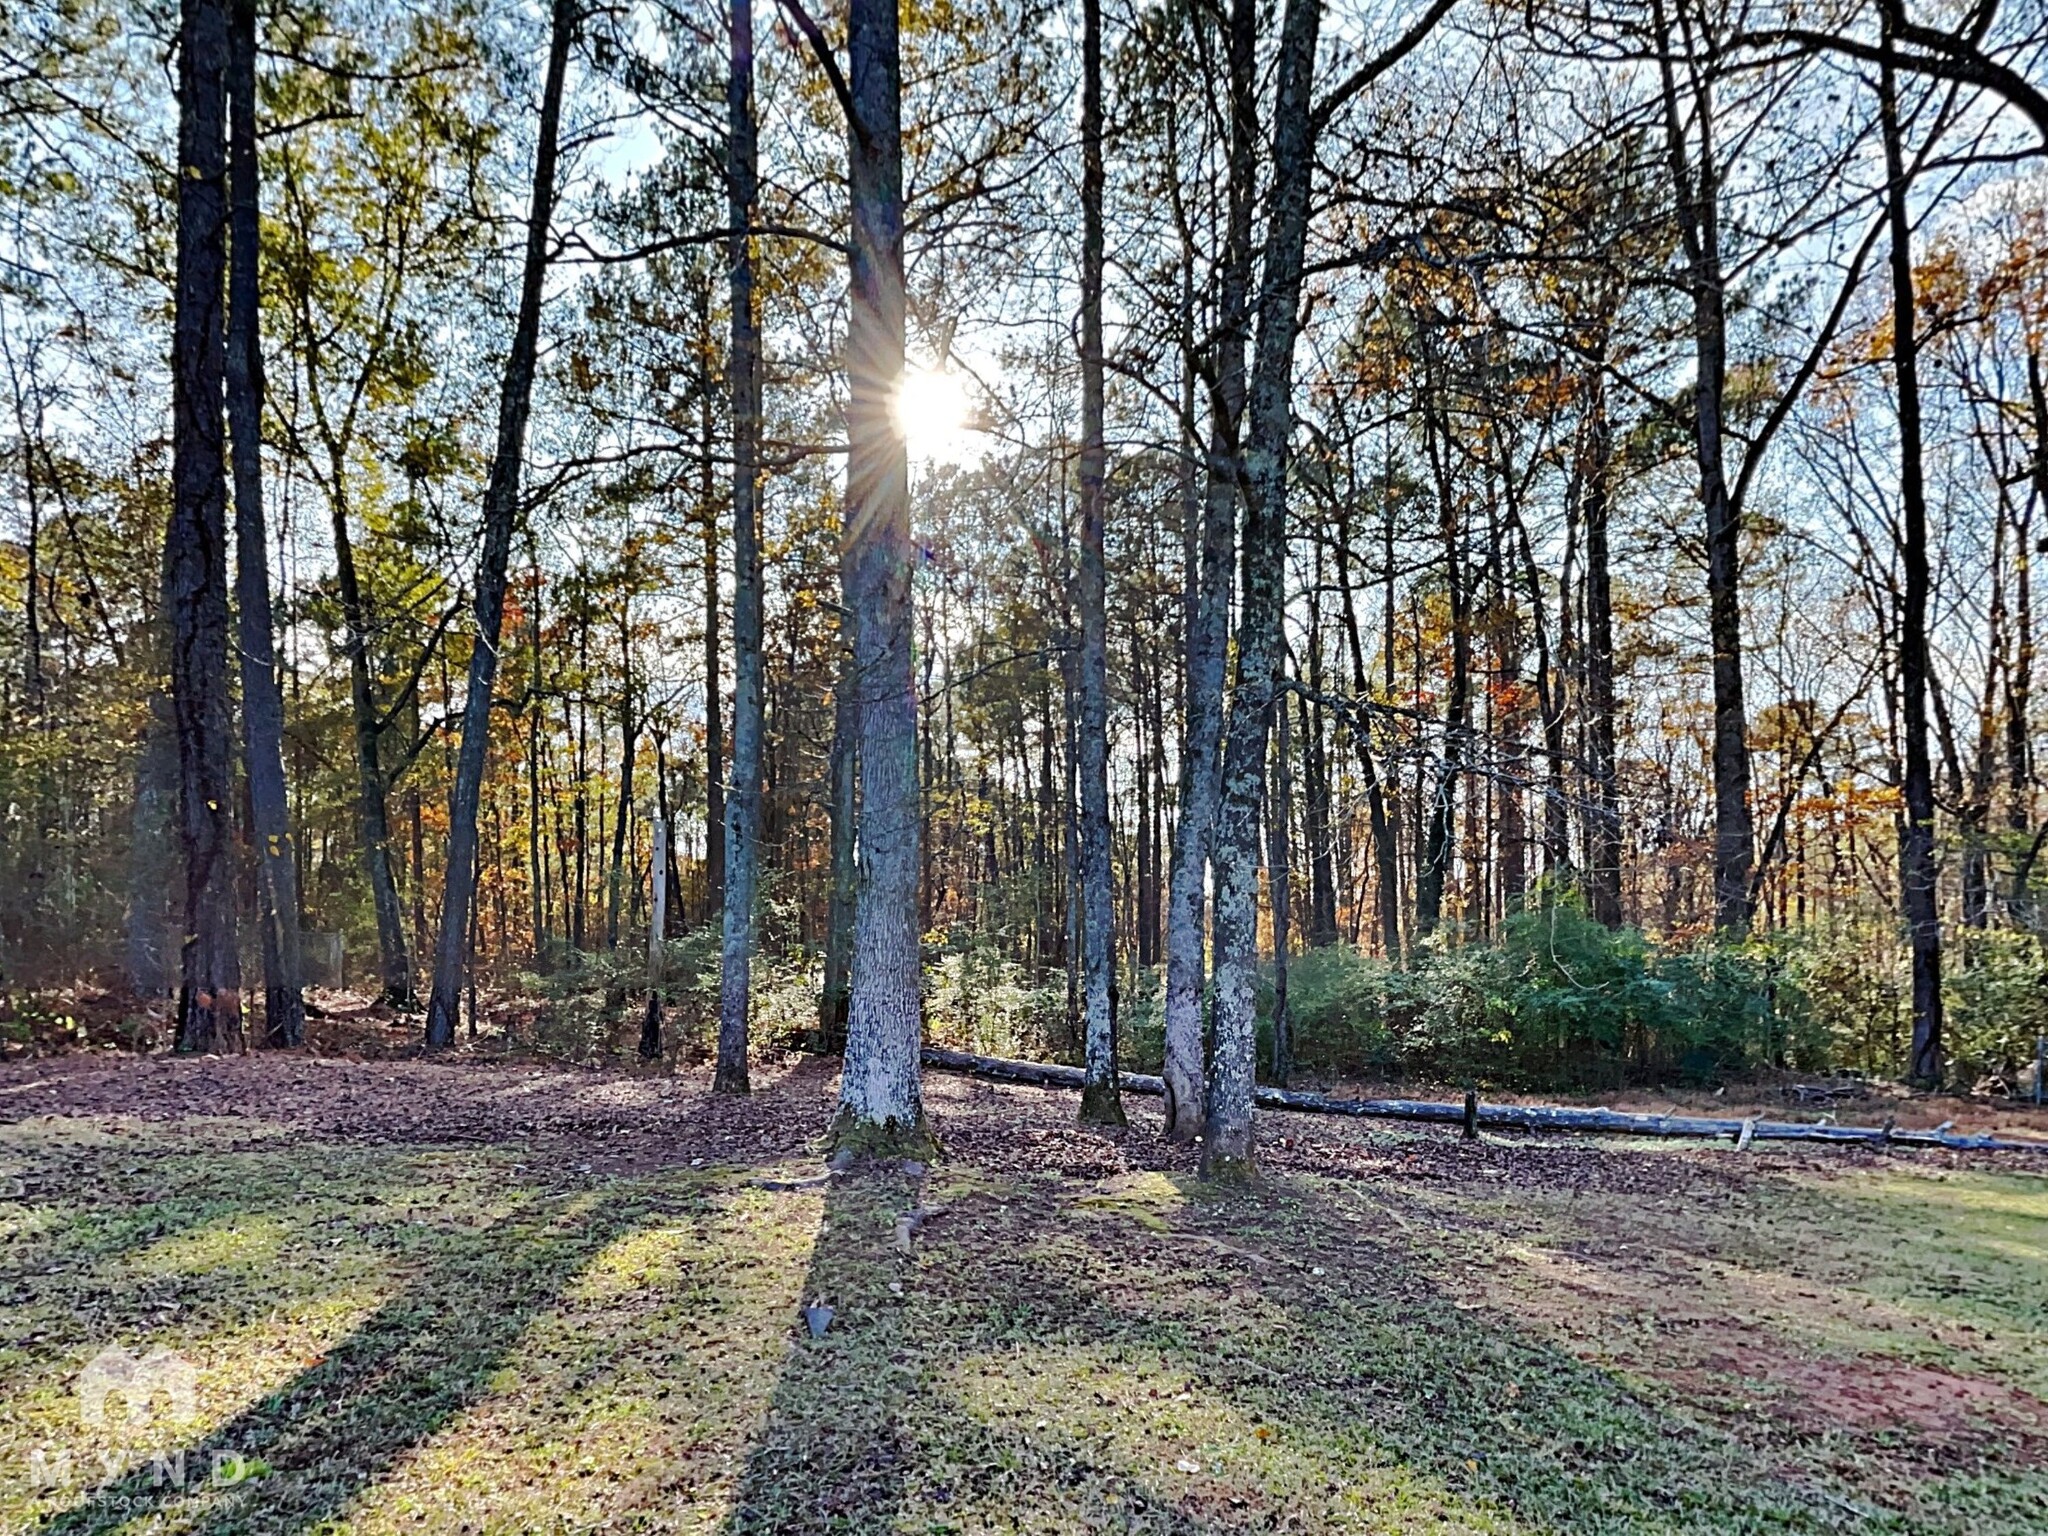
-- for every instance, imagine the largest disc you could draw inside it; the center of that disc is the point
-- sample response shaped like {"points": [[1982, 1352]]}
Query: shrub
{"points": [[1558, 1001], [591, 1003], [978, 999], [1996, 996]]}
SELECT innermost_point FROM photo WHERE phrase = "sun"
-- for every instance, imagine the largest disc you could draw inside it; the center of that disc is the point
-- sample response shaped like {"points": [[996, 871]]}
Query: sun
{"points": [[936, 416]]}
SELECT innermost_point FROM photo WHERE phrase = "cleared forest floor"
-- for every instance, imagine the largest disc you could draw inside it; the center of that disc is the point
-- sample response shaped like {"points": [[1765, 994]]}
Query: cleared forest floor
{"points": [[517, 1299]]}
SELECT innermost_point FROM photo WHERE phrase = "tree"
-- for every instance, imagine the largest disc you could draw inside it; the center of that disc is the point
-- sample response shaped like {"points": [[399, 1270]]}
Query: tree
{"points": [[1477, 475], [1208, 628], [743, 805], [1689, 116], [284, 1006], [500, 516], [376, 229], [881, 1101], [1298, 119], [1957, 54], [1917, 871], [1101, 1102], [1227, 1145], [196, 557]]}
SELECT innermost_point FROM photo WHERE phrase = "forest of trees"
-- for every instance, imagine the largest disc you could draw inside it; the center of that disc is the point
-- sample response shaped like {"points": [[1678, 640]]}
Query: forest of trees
{"points": [[1437, 537]]}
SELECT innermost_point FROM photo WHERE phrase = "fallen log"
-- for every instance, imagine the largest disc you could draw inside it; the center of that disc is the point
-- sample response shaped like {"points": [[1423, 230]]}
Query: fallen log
{"points": [[1508, 1117]]}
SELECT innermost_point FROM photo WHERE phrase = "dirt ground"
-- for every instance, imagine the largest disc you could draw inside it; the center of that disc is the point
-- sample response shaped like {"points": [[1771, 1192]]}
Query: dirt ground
{"points": [[351, 1027]]}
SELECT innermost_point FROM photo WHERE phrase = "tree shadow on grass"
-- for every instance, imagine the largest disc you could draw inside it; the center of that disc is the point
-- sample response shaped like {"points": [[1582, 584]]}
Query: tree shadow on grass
{"points": [[1040, 1357], [411, 1367], [1353, 1345], [83, 1269], [832, 1455], [862, 1436]]}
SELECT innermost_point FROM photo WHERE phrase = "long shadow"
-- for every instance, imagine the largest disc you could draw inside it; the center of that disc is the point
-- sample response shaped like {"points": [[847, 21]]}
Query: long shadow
{"points": [[413, 1365], [313, 1446], [108, 1209], [832, 1455], [1349, 1351], [859, 1440]]}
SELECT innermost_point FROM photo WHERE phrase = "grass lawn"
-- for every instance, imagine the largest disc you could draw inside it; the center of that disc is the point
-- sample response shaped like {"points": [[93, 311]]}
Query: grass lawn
{"points": [[460, 1297]]}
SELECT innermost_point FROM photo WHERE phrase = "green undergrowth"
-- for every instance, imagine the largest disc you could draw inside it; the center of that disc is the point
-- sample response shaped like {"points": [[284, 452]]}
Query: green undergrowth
{"points": [[412, 1337]]}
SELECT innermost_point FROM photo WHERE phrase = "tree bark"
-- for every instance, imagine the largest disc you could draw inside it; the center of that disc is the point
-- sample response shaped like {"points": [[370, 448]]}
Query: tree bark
{"points": [[1697, 190], [1280, 880], [1918, 873], [196, 558], [743, 804], [845, 776], [1434, 870], [1100, 1103], [1603, 830], [284, 1006], [880, 1094], [501, 513], [373, 807], [1227, 1144], [714, 718], [1209, 624]]}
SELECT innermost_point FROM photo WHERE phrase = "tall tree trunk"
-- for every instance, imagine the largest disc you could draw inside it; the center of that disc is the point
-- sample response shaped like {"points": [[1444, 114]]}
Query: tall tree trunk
{"points": [[1603, 839], [1434, 870], [845, 776], [1280, 881], [1918, 873], [1070, 805], [1100, 1101], [32, 680], [743, 368], [714, 716], [196, 556], [1550, 698], [416, 870], [881, 1094], [501, 513], [629, 737], [1209, 624], [1697, 190], [578, 877], [2019, 678], [1315, 805], [536, 850], [1227, 1145], [1973, 811], [1511, 722], [657, 931], [372, 804], [1042, 850], [1385, 850], [284, 1007], [1144, 698], [151, 860]]}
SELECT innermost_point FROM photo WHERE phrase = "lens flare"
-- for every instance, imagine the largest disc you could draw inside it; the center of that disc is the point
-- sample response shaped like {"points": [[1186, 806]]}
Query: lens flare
{"points": [[936, 416]]}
